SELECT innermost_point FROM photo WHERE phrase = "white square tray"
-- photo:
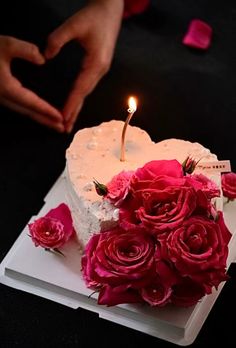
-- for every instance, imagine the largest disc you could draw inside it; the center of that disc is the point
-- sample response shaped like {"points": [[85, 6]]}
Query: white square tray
{"points": [[58, 278]]}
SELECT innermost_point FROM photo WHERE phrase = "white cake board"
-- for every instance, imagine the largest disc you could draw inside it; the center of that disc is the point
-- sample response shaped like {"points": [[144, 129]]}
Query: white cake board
{"points": [[58, 278]]}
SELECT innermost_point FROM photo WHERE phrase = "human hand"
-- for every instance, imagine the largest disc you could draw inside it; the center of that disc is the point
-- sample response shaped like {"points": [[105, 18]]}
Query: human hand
{"points": [[18, 98], [96, 28]]}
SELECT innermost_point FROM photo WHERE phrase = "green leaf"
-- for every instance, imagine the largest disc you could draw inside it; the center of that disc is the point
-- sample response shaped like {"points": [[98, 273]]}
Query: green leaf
{"points": [[101, 189]]}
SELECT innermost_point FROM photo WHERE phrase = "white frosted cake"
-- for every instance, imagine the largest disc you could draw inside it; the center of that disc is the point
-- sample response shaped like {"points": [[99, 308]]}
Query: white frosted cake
{"points": [[95, 154]]}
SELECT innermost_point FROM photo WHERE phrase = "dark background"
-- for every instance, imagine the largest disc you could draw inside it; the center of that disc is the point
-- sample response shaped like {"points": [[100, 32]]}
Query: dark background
{"points": [[182, 92]]}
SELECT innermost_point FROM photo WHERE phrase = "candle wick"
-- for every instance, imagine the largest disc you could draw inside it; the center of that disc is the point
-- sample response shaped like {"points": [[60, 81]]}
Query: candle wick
{"points": [[122, 152]]}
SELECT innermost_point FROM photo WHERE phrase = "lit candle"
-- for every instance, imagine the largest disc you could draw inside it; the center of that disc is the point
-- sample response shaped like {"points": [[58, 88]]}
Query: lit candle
{"points": [[131, 110]]}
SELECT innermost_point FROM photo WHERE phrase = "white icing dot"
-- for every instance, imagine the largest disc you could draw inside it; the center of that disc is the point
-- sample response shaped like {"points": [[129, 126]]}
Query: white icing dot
{"points": [[97, 131], [74, 156], [92, 145]]}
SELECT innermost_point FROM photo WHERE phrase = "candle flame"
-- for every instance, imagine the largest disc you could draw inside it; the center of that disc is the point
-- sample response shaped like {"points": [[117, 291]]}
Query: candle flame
{"points": [[132, 103]]}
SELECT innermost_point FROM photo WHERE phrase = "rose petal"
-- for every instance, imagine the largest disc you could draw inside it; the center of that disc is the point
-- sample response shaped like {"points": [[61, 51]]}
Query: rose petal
{"points": [[156, 168], [199, 35], [63, 214], [202, 182], [113, 296]]}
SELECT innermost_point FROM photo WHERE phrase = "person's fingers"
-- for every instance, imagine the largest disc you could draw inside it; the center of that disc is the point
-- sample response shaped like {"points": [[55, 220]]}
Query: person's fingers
{"points": [[70, 123], [42, 119], [58, 38], [25, 50], [27, 99], [92, 71]]}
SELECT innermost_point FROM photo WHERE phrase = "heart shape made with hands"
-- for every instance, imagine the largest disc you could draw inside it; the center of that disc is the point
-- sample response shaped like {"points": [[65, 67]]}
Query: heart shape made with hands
{"points": [[52, 83]]}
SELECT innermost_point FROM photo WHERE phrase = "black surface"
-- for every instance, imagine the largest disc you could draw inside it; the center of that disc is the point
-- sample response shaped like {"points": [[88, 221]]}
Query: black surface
{"points": [[182, 93]]}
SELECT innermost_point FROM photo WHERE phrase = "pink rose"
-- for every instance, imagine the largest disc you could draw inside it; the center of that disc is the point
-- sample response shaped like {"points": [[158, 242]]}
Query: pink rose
{"points": [[118, 187], [228, 182], [119, 263], [198, 250], [202, 182], [161, 198], [54, 229], [133, 7]]}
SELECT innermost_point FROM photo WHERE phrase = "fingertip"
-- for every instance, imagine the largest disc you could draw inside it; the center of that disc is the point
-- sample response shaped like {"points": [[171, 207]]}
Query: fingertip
{"points": [[71, 115], [69, 127], [35, 56], [68, 115], [60, 128], [49, 53], [40, 60]]}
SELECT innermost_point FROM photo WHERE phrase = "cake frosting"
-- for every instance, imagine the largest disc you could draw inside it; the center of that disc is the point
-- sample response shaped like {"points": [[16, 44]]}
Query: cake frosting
{"points": [[94, 154]]}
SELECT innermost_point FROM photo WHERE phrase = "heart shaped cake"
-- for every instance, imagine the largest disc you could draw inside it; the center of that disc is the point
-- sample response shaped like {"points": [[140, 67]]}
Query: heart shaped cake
{"points": [[94, 155]]}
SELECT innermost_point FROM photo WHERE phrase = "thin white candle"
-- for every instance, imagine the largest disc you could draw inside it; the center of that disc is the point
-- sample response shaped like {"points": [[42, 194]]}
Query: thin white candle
{"points": [[131, 110]]}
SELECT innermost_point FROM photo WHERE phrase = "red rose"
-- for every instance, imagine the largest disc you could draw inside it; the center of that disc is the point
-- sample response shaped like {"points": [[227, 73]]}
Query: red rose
{"points": [[54, 229], [118, 187], [198, 250], [228, 182], [158, 210], [119, 262], [161, 198]]}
